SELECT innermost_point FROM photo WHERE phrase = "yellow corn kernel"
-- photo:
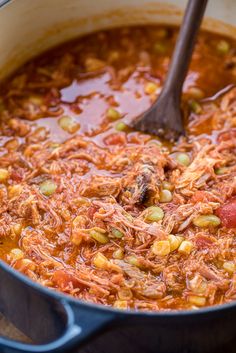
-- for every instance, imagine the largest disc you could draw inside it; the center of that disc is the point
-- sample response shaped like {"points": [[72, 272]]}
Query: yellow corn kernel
{"points": [[185, 247], [229, 266], [14, 190], [118, 254], [198, 301], [125, 294], [100, 261], [175, 241], [161, 248], [93, 64], [68, 124], [150, 88], [4, 175], [26, 264], [16, 254], [17, 228], [120, 304]]}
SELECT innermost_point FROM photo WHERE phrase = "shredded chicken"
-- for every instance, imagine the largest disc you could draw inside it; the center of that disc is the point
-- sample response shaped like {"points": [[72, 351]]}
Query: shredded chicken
{"points": [[109, 216]]}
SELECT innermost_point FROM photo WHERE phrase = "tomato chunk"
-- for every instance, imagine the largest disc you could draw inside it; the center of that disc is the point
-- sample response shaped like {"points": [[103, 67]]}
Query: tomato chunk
{"points": [[227, 213], [63, 280], [202, 196]]}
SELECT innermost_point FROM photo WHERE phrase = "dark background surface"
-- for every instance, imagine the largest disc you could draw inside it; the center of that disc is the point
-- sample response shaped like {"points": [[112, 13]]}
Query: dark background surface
{"points": [[106, 343]]}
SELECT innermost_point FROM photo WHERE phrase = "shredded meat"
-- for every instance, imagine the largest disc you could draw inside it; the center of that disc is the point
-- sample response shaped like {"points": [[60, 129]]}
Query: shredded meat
{"points": [[109, 216]]}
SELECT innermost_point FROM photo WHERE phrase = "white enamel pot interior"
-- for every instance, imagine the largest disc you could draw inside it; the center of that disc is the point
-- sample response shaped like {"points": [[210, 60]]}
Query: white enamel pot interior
{"points": [[28, 27]]}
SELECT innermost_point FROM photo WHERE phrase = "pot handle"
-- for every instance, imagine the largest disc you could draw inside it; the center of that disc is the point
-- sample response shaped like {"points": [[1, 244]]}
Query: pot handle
{"points": [[74, 334]]}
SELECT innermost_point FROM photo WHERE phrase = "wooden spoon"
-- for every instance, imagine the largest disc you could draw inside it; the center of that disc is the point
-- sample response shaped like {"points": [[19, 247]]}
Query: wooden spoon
{"points": [[164, 118]]}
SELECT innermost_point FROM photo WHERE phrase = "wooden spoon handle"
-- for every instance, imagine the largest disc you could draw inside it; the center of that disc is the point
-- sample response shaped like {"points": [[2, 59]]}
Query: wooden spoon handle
{"points": [[185, 44]]}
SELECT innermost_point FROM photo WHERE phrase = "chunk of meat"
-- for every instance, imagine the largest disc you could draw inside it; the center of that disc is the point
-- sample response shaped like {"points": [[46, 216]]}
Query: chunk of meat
{"points": [[100, 186]]}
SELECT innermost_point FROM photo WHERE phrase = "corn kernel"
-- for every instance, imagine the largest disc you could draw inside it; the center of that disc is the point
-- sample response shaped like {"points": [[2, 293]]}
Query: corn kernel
{"points": [[68, 124], [16, 254], [125, 294], [4, 175], [161, 248], [17, 228], [198, 301], [26, 264], [14, 190], [150, 88], [120, 304], [229, 266], [118, 254], [185, 247], [100, 261], [174, 241]]}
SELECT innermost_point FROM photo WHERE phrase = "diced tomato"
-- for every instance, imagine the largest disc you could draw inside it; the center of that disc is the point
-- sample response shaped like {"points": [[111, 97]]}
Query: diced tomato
{"points": [[63, 280], [203, 242], [227, 213], [227, 135], [201, 196]]}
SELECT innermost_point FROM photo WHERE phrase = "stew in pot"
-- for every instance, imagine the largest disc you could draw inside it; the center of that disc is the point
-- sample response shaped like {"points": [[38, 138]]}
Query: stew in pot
{"points": [[107, 214]]}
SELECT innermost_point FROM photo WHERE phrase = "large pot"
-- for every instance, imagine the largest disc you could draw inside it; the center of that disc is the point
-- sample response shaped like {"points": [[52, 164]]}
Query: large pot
{"points": [[58, 323]]}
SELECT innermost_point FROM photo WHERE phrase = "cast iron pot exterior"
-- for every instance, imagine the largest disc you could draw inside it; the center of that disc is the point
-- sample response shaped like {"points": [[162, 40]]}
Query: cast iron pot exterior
{"points": [[58, 323]]}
